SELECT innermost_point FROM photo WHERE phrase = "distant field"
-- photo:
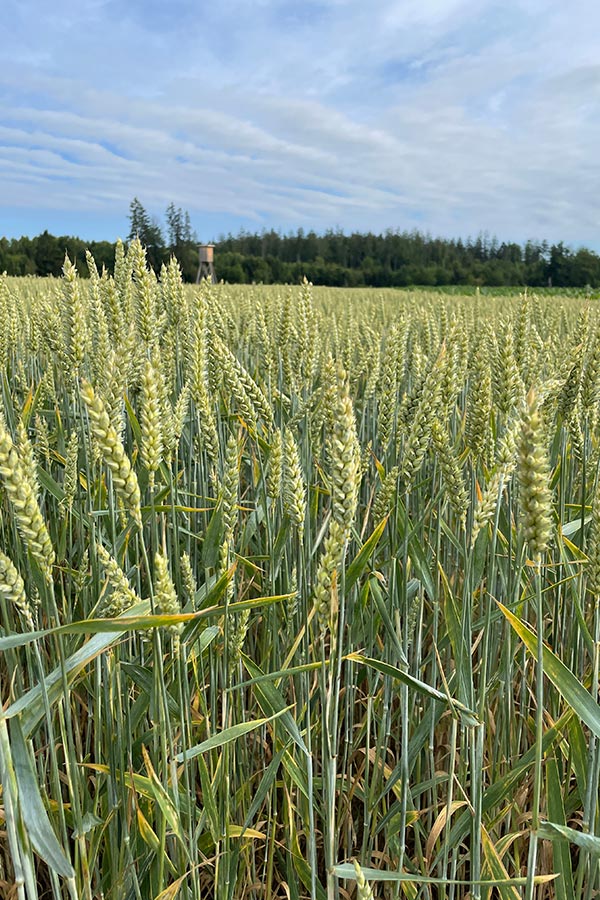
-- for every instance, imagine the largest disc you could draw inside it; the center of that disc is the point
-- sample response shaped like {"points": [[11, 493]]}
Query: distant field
{"points": [[452, 290], [300, 591]]}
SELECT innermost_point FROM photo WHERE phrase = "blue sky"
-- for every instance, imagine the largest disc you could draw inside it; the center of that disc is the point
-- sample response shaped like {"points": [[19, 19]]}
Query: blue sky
{"points": [[451, 116]]}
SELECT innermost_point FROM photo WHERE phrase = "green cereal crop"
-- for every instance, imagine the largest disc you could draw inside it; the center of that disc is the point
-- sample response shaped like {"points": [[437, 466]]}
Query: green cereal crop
{"points": [[299, 591]]}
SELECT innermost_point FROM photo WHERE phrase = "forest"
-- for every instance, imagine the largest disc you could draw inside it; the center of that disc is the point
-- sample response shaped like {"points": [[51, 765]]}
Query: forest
{"points": [[394, 258]]}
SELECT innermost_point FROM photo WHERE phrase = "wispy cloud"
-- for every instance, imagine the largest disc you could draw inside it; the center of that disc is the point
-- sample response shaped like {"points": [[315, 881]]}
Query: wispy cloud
{"points": [[433, 113]]}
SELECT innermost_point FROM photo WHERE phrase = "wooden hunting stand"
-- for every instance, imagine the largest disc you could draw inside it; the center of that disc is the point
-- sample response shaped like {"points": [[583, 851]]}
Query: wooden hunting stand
{"points": [[206, 267]]}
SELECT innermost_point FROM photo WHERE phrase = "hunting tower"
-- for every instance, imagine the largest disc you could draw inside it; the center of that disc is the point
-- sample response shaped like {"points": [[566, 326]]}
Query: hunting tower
{"points": [[206, 267]]}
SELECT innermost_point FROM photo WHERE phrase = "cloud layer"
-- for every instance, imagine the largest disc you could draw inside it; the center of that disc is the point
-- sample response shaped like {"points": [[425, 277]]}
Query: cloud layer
{"points": [[445, 115]]}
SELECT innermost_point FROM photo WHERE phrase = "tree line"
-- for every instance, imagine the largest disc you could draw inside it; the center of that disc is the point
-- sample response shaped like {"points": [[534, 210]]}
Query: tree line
{"points": [[392, 259], [45, 254], [400, 259]]}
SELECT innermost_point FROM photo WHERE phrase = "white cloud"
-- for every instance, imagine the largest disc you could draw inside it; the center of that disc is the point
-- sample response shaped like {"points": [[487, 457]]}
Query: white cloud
{"points": [[314, 114]]}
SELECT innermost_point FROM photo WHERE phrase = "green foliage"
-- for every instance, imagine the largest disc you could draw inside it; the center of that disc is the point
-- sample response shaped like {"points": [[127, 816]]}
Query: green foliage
{"points": [[394, 259], [400, 259]]}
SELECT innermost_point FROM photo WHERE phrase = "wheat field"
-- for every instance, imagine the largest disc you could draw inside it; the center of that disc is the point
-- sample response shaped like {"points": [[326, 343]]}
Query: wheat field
{"points": [[299, 591]]}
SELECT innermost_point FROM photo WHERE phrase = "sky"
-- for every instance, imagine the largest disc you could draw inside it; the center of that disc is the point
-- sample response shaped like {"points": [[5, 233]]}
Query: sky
{"points": [[448, 116]]}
